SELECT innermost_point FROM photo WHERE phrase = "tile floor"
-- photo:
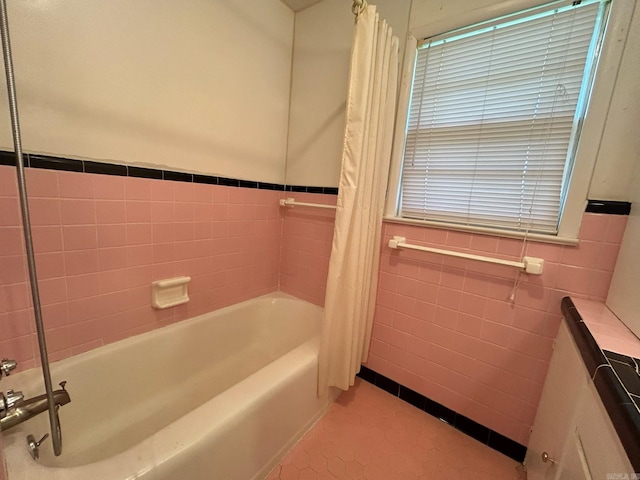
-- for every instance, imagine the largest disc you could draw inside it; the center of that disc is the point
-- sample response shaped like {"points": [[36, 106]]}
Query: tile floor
{"points": [[370, 434]]}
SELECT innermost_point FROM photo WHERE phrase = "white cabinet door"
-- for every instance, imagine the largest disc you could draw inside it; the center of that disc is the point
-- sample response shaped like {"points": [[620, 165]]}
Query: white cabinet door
{"points": [[573, 464], [566, 379], [572, 426], [602, 450]]}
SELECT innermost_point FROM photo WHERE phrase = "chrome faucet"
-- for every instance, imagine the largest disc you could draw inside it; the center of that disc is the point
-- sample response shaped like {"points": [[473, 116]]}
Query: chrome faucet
{"points": [[9, 400], [7, 366], [15, 410]]}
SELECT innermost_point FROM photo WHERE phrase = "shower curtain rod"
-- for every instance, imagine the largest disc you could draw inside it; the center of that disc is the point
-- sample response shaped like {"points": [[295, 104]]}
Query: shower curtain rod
{"points": [[54, 421]]}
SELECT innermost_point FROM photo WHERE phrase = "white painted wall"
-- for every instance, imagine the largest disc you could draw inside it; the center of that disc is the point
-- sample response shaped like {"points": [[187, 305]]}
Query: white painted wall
{"points": [[620, 147], [623, 297], [203, 85], [621, 172], [197, 85], [322, 49]]}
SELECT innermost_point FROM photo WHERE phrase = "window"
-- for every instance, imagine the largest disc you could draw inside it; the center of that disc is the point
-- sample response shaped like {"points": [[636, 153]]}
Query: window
{"points": [[494, 117]]}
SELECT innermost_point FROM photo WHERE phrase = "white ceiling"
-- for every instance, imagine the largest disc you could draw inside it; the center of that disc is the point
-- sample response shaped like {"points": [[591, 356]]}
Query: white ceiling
{"points": [[297, 5]]}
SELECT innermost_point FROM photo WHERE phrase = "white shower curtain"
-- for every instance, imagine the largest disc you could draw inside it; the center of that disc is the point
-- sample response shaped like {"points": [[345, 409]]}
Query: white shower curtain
{"points": [[353, 268]]}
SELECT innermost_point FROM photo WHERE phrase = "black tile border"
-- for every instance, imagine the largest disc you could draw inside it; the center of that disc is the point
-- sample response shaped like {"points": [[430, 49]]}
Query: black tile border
{"points": [[506, 446], [295, 189], [441, 412], [608, 206], [177, 176], [414, 398], [208, 179], [272, 186], [302, 189], [9, 158], [103, 168], [229, 182], [140, 172], [367, 374], [388, 385], [479, 432], [56, 163], [473, 429], [618, 403]]}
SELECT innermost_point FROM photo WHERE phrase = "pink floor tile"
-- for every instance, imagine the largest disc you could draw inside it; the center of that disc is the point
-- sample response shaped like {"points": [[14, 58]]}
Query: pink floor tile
{"points": [[369, 434]]}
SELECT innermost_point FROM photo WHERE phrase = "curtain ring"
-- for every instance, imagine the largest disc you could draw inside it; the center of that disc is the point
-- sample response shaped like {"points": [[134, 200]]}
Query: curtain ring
{"points": [[358, 7]]}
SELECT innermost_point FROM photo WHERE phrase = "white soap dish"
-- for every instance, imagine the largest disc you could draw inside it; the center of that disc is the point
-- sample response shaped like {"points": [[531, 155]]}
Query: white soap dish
{"points": [[170, 292]]}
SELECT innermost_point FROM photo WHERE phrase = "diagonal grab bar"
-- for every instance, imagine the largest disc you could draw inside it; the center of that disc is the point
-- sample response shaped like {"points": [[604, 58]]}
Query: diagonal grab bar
{"points": [[54, 421]]}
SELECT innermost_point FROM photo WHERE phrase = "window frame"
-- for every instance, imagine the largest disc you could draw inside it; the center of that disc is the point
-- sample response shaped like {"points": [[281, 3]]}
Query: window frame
{"points": [[593, 127]]}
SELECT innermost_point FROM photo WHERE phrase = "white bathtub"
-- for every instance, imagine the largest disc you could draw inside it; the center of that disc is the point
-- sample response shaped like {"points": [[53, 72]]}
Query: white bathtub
{"points": [[220, 396]]}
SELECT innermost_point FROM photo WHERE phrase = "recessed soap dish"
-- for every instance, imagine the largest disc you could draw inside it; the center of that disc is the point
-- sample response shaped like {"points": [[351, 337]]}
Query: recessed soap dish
{"points": [[170, 292]]}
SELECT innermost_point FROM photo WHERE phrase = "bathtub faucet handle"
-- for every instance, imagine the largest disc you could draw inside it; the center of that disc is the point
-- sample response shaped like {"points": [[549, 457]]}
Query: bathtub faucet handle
{"points": [[13, 398], [9, 400], [62, 384], [7, 366], [34, 447]]}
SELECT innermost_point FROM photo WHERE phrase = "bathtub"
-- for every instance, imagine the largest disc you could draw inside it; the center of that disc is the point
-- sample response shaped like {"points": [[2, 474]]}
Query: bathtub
{"points": [[220, 396]]}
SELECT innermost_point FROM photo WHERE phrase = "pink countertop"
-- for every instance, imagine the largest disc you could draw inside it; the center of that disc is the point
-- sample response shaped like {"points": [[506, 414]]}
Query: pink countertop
{"points": [[607, 329]]}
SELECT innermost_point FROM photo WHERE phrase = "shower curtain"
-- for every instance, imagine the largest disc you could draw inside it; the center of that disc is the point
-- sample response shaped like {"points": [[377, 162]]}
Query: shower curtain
{"points": [[353, 267]]}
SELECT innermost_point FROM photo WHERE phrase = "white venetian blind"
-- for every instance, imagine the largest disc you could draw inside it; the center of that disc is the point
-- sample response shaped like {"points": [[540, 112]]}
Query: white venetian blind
{"points": [[492, 121]]}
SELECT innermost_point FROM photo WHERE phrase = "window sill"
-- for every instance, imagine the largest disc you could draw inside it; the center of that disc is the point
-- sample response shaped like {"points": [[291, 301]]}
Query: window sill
{"points": [[537, 237]]}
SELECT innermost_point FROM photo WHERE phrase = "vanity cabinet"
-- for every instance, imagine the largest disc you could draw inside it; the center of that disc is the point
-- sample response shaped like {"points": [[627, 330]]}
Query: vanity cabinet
{"points": [[572, 426], [593, 449]]}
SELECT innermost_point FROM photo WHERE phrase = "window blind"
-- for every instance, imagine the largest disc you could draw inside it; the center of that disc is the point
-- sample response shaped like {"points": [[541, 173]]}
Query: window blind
{"points": [[492, 119]]}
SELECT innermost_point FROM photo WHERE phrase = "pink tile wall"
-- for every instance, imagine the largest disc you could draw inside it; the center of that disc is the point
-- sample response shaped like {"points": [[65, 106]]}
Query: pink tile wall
{"points": [[306, 247], [447, 328], [444, 327], [101, 240]]}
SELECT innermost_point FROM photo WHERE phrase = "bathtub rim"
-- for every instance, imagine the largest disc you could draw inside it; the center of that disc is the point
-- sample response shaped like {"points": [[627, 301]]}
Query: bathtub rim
{"points": [[32, 377]]}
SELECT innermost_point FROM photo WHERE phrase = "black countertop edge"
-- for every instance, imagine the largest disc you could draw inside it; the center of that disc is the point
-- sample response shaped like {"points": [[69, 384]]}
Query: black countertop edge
{"points": [[591, 353], [622, 411], [617, 402]]}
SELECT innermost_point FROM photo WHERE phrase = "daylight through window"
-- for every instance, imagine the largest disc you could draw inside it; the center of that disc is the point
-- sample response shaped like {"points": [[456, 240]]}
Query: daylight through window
{"points": [[494, 119]]}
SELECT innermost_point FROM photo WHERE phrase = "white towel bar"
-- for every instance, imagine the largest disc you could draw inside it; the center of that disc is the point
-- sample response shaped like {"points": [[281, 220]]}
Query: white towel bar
{"points": [[530, 265], [290, 202]]}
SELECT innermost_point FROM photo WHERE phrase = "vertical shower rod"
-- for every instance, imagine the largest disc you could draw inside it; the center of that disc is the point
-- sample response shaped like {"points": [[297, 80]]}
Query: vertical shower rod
{"points": [[54, 421]]}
